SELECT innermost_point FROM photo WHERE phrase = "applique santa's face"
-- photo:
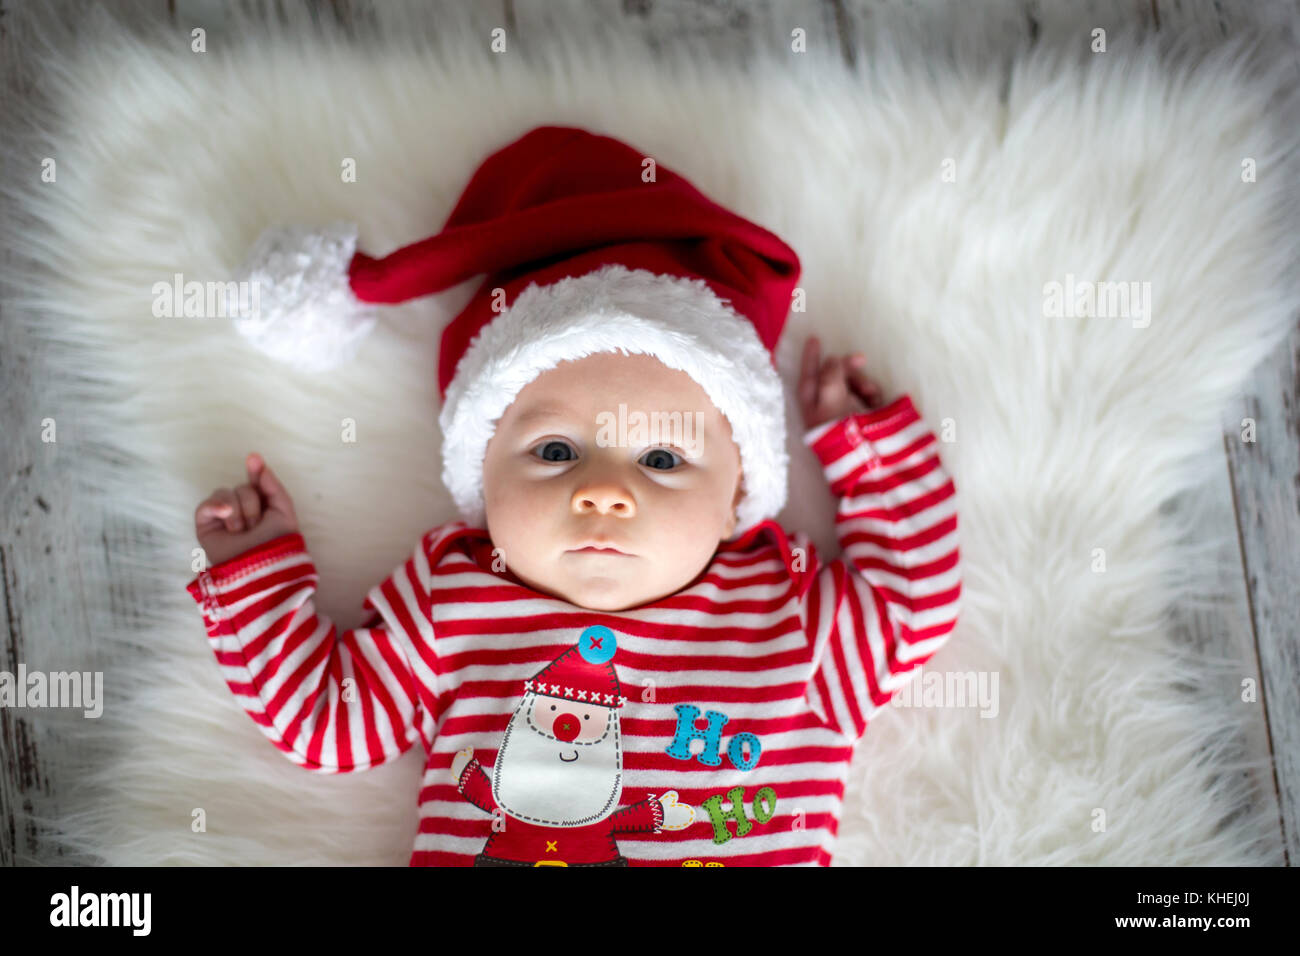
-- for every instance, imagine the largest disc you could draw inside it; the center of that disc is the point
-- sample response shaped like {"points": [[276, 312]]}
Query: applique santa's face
{"points": [[560, 763], [558, 775]]}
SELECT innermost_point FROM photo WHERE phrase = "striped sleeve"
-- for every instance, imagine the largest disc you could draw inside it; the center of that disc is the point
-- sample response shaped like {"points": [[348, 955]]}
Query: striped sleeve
{"points": [[892, 598], [331, 701]]}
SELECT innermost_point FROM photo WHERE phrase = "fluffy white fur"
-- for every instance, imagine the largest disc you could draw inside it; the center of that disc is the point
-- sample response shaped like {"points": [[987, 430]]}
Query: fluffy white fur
{"points": [[679, 321], [1063, 435]]}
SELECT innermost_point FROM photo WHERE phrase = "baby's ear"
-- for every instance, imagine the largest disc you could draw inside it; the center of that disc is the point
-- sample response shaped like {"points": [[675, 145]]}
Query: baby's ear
{"points": [[733, 517]]}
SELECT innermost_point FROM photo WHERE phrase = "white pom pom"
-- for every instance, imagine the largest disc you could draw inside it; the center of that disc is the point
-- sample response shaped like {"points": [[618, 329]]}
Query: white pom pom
{"points": [[305, 314]]}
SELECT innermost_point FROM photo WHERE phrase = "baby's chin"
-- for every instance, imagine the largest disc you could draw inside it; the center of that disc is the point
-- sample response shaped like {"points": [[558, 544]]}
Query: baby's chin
{"points": [[611, 607], [601, 593], [597, 592]]}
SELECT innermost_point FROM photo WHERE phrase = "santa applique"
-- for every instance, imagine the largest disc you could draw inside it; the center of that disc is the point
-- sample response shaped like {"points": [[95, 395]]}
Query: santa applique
{"points": [[558, 775]]}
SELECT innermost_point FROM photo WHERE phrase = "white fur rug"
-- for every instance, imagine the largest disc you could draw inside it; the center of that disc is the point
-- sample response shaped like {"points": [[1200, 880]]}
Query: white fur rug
{"points": [[1064, 434]]}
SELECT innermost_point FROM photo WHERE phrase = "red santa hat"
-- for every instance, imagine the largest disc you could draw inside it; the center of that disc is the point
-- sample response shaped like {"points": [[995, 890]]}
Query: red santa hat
{"points": [[589, 246]]}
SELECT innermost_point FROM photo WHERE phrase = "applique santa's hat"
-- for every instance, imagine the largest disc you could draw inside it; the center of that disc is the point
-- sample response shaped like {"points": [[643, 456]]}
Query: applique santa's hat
{"points": [[588, 246], [583, 673]]}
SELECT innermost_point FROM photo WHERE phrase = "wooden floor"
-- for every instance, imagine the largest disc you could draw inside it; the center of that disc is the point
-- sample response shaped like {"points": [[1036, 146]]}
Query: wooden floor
{"points": [[1255, 505]]}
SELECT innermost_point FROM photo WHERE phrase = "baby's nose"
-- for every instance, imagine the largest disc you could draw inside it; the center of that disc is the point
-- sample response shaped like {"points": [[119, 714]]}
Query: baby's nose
{"points": [[605, 498]]}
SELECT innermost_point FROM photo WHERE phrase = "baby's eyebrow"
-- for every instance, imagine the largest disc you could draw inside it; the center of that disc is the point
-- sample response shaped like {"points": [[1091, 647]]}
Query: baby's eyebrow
{"points": [[539, 412], [549, 410]]}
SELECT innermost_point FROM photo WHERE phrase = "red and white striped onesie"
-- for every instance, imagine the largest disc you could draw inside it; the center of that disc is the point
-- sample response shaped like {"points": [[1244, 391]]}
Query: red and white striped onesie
{"points": [[761, 675]]}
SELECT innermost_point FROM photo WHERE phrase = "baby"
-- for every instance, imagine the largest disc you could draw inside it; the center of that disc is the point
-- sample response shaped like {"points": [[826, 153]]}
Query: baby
{"points": [[618, 664]]}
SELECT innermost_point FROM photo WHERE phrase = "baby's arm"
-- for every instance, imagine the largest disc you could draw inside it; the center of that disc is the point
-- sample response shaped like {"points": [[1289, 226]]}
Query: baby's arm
{"points": [[331, 701], [892, 599]]}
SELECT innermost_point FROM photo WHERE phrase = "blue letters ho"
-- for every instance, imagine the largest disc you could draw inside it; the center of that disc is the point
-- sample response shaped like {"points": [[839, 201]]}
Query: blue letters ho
{"points": [[712, 737]]}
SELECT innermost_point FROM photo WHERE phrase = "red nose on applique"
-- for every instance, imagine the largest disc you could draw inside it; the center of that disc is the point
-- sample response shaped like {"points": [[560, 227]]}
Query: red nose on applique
{"points": [[567, 727]]}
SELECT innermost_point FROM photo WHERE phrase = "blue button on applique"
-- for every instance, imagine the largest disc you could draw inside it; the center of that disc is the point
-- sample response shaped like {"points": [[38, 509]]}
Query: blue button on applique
{"points": [[597, 644]]}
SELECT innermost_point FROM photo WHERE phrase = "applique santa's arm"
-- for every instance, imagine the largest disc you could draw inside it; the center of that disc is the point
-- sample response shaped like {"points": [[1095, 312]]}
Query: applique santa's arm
{"points": [[472, 780], [653, 815]]}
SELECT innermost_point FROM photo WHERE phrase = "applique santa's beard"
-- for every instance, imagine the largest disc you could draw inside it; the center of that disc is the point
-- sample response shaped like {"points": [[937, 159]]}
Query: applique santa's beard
{"points": [[544, 779]]}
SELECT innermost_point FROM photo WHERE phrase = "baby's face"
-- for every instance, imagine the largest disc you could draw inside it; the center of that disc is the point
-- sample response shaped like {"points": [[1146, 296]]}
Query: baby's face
{"points": [[558, 474]]}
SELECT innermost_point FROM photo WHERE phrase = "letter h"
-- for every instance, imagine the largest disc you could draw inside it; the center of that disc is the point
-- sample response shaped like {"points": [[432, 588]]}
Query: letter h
{"points": [[687, 731]]}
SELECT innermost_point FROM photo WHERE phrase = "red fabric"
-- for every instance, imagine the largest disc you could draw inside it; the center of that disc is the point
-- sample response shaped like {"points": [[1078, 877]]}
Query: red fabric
{"points": [[562, 201]]}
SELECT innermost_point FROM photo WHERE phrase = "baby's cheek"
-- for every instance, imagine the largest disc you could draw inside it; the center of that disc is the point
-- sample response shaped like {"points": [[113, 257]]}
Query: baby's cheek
{"points": [[521, 500], [507, 514], [692, 518]]}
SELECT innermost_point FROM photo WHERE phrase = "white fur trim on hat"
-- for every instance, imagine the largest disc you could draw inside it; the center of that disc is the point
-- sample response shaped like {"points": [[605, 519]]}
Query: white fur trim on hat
{"points": [[679, 321]]}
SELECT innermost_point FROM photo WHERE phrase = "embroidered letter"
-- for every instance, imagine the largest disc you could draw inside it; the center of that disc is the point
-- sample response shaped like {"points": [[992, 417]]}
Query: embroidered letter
{"points": [[687, 731], [736, 752], [736, 796]]}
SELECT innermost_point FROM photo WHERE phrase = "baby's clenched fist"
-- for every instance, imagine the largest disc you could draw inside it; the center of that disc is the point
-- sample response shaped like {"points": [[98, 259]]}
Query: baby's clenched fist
{"points": [[234, 520]]}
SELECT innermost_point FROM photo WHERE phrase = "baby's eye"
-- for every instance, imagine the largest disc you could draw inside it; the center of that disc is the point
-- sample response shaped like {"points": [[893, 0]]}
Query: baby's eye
{"points": [[554, 450], [663, 457]]}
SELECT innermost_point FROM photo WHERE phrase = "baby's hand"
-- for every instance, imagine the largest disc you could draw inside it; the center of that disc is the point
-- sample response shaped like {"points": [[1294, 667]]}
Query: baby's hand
{"points": [[839, 390], [231, 522]]}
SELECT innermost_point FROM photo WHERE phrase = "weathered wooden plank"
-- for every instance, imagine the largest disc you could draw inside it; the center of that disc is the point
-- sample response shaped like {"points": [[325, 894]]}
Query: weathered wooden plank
{"points": [[1217, 624], [22, 777], [1266, 486], [720, 30], [1266, 482], [51, 541]]}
